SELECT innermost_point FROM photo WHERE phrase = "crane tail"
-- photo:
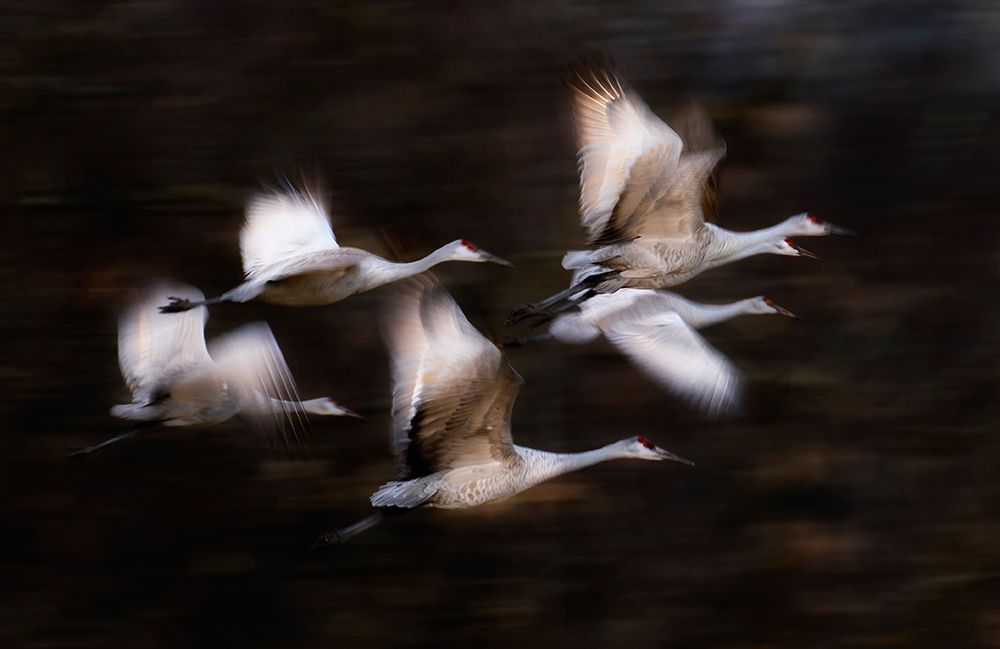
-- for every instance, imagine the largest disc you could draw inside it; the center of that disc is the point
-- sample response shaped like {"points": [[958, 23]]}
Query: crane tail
{"points": [[577, 259], [405, 494]]}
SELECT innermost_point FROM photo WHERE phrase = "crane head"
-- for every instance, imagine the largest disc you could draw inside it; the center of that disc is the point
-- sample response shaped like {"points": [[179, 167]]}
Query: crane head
{"points": [[465, 250], [810, 225], [785, 246], [766, 305], [640, 448]]}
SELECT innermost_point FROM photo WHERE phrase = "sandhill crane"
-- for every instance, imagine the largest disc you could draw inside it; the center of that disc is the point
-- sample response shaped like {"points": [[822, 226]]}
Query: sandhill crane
{"points": [[291, 257], [176, 381], [643, 193], [452, 399], [656, 330]]}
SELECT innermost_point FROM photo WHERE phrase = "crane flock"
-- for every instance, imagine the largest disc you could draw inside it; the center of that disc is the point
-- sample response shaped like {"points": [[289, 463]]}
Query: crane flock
{"points": [[648, 193]]}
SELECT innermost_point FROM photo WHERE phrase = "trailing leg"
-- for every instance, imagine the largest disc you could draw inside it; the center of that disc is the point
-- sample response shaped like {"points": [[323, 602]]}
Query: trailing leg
{"points": [[242, 293], [83, 452], [180, 304], [545, 307], [344, 534]]}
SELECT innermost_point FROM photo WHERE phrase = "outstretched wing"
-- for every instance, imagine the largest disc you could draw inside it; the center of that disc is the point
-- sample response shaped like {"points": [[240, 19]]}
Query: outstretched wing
{"points": [[615, 130], [628, 306], [638, 176], [678, 358], [280, 225], [696, 130], [453, 391], [153, 346], [249, 363], [665, 202]]}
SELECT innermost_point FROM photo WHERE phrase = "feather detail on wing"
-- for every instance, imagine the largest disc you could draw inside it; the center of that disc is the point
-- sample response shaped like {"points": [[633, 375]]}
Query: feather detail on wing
{"points": [[573, 329], [583, 324], [153, 346], [614, 129], [630, 305], [249, 363], [639, 176], [678, 358], [280, 225], [453, 391], [696, 130], [664, 202]]}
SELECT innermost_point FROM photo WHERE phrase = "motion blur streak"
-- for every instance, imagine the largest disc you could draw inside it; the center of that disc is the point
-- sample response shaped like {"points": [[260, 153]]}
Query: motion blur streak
{"points": [[856, 504]]}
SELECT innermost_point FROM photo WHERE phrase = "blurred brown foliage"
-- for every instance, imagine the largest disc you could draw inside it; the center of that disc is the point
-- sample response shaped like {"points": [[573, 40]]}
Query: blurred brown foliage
{"points": [[856, 504]]}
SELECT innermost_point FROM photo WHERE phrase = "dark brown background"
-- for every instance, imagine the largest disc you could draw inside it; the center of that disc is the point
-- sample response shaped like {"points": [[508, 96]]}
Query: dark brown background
{"points": [[854, 505]]}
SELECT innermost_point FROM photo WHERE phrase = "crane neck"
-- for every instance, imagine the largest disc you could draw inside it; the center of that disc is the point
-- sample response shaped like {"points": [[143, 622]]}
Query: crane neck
{"points": [[728, 245], [312, 406], [263, 404], [392, 271], [548, 465], [706, 315]]}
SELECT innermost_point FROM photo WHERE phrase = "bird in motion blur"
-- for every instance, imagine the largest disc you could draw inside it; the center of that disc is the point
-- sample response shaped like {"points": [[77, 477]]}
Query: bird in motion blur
{"points": [[291, 256], [453, 394], [176, 380], [644, 191], [656, 330]]}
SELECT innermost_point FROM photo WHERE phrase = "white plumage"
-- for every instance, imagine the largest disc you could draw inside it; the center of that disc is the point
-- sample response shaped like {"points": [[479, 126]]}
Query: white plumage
{"points": [[673, 353], [615, 129], [656, 330], [452, 400], [152, 348], [281, 225], [176, 380], [644, 191], [291, 257]]}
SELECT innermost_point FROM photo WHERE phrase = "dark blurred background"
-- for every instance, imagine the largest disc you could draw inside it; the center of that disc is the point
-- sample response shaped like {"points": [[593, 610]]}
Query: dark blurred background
{"points": [[855, 504]]}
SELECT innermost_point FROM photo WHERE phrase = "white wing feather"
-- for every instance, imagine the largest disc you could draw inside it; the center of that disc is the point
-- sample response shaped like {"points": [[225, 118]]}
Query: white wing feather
{"points": [[152, 346], [677, 357], [614, 128], [573, 329], [280, 225], [408, 346], [250, 364], [583, 324], [434, 350]]}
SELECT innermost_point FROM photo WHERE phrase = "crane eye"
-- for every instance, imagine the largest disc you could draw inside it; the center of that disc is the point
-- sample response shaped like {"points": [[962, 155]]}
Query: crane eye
{"points": [[791, 244], [645, 442], [468, 244], [768, 301], [813, 218]]}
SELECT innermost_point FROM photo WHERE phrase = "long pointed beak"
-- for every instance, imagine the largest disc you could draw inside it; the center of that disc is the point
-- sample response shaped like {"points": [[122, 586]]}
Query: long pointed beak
{"points": [[350, 413], [838, 230], [805, 253], [667, 455], [780, 310], [493, 259]]}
